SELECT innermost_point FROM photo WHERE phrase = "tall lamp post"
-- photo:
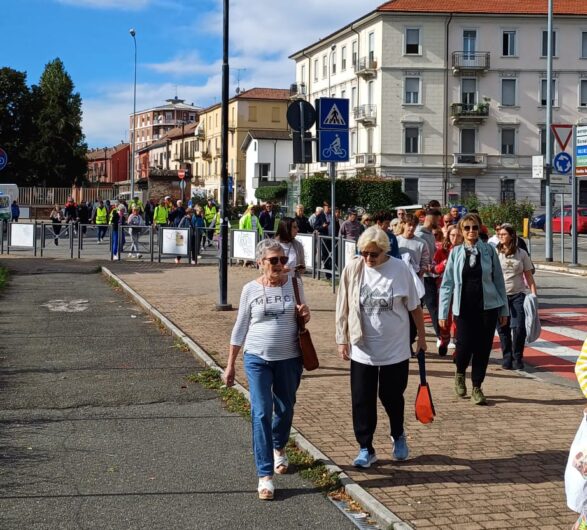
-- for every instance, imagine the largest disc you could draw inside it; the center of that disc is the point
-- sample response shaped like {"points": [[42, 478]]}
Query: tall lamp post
{"points": [[133, 34]]}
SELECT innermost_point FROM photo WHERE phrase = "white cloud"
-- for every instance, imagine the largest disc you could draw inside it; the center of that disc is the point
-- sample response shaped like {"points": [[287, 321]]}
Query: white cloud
{"points": [[184, 65], [128, 5]]}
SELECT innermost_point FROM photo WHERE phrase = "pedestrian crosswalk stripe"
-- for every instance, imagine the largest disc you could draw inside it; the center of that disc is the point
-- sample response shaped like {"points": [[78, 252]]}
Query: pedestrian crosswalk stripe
{"points": [[334, 117], [572, 333]]}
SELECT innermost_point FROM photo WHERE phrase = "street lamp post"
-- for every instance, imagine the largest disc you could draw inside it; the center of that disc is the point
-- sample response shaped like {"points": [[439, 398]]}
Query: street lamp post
{"points": [[133, 34]]}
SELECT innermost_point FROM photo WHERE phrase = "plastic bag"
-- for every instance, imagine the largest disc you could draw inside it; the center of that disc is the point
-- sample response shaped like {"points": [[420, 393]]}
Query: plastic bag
{"points": [[576, 471]]}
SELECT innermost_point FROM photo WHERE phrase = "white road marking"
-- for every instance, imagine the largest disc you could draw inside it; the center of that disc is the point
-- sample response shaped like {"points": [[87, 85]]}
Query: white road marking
{"points": [[571, 333], [66, 306], [551, 348], [566, 315]]}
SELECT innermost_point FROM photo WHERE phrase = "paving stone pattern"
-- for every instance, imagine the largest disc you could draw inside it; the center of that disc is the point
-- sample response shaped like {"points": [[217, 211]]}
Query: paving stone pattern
{"points": [[499, 466]]}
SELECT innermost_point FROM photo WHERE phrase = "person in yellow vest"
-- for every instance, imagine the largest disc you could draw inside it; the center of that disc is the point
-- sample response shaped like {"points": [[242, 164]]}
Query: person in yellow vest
{"points": [[161, 214], [250, 221], [210, 214], [138, 203], [101, 220]]}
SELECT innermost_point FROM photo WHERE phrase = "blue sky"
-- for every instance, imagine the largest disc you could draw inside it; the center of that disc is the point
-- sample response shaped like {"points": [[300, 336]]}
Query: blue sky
{"points": [[179, 46]]}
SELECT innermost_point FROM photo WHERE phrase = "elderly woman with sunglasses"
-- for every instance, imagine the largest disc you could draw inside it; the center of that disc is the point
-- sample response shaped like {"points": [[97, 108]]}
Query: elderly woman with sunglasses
{"points": [[267, 326], [474, 282], [517, 272], [376, 296]]}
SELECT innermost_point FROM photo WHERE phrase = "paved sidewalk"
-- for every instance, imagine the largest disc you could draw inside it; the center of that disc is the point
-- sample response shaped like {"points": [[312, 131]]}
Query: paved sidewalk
{"points": [[499, 466]]}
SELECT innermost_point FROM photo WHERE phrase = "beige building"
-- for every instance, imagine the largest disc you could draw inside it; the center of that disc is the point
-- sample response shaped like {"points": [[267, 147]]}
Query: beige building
{"points": [[257, 108], [450, 96]]}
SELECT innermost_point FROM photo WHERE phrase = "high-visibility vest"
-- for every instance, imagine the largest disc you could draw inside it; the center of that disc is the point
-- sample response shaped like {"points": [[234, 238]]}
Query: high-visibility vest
{"points": [[101, 215], [209, 213], [160, 216]]}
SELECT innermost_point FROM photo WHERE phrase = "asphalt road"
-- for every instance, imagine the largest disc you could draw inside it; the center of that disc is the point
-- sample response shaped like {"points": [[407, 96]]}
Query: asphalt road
{"points": [[98, 428], [538, 242]]}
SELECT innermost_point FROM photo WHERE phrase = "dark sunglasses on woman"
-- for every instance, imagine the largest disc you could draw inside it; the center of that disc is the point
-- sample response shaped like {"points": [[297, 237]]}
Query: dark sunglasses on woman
{"points": [[277, 259]]}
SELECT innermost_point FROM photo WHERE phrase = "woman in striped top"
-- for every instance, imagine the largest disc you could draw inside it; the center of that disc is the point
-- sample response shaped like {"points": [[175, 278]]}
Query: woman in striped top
{"points": [[266, 324]]}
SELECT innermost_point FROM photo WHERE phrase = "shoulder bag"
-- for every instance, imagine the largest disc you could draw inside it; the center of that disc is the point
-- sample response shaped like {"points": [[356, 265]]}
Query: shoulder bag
{"points": [[309, 356]]}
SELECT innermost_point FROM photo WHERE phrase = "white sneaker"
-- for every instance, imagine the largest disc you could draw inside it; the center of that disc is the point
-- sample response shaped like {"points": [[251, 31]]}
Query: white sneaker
{"points": [[139, 255], [193, 262], [451, 345], [131, 255], [438, 343], [176, 260], [199, 257]]}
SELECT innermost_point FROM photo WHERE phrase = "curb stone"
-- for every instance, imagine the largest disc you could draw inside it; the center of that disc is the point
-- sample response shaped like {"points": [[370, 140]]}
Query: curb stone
{"points": [[577, 271], [385, 517]]}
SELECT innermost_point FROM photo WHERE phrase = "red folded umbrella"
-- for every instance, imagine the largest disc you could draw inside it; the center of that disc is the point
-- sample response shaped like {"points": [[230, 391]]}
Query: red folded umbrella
{"points": [[424, 406]]}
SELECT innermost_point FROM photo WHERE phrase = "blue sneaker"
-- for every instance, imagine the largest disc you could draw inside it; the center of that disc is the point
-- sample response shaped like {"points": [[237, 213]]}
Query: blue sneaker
{"points": [[400, 448], [365, 459]]}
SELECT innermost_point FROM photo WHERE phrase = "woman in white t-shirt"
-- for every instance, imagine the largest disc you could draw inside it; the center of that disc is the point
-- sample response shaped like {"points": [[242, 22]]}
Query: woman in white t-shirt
{"points": [[287, 231], [517, 267], [376, 296]]}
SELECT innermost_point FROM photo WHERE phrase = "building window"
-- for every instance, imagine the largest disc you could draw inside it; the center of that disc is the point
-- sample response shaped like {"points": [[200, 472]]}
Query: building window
{"points": [[467, 188], [543, 141], [252, 113], [412, 90], [275, 118], [468, 93], [324, 66], [509, 43], [411, 189], [353, 97], [411, 135], [508, 92], [353, 145], [303, 73], [508, 190], [370, 140], [543, 87], [264, 170], [371, 40], [343, 59], [315, 69], [508, 141], [354, 57], [584, 44], [583, 93], [412, 41], [544, 47], [333, 59]]}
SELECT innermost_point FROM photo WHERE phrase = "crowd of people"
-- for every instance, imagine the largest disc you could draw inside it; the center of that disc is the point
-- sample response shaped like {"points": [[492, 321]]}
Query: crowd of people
{"points": [[470, 285]]}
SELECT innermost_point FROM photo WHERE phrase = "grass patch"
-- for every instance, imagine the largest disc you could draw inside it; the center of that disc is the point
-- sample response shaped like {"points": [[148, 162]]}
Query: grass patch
{"points": [[231, 398], [312, 470], [3, 277], [180, 345], [112, 282]]}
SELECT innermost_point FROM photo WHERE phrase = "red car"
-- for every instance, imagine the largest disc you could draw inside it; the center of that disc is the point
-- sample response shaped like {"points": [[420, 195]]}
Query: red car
{"points": [[581, 220]]}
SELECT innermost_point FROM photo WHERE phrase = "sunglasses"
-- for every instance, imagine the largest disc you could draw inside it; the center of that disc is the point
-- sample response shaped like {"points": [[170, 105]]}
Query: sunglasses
{"points": [[373, 255], [277, 259], [468, 228]]}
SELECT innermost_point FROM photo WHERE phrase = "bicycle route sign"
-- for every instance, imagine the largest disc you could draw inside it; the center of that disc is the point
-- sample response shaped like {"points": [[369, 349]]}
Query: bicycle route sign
{"points": [[333, 129]]}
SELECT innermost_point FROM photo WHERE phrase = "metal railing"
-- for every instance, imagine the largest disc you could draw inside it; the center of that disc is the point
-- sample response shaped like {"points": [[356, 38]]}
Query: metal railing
{"points": [[365, 113], [465, 60]]}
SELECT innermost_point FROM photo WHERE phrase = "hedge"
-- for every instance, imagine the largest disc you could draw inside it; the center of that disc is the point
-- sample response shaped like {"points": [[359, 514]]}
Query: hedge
{"points": [[271, 192], [512, 212], [370, 193]]}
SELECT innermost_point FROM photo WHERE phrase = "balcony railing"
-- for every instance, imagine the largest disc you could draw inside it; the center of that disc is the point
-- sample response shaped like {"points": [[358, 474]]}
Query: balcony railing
{"points": [[297, 90], [470, 61], [365, 113], [469, 112], [295, 168], [366, 66], [469, 163], [365, 159]]}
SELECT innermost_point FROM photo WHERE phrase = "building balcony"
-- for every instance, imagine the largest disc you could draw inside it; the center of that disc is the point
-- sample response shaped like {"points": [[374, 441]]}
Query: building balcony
{"points": [[296, 168], [365, 160], [366, 67], [469, 113], [470, 62], [469, 163], [200, 133], [206, 155], [366, 114], [297, 91]]}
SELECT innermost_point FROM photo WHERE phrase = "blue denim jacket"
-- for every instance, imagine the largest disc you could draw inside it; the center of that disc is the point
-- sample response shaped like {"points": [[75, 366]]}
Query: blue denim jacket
{"points": [[494, 295]]}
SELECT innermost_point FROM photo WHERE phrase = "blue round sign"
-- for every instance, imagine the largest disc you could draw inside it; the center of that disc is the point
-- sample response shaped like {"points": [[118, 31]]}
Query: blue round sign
{"points": [[563, 163], [3, 159]]}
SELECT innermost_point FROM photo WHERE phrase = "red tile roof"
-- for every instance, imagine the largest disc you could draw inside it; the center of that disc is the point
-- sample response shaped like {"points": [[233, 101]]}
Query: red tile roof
{"points": [[501, 7], [265, 93]]}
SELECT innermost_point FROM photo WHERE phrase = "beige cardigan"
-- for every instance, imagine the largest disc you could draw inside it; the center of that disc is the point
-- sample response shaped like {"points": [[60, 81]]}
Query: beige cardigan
{"points": [[348, 311]]}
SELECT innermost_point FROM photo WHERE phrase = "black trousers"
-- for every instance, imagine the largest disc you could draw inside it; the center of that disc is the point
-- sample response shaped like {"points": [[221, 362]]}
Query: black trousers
{"points": [[431, 301], [513, 347], [474, 340], [392, 380]]}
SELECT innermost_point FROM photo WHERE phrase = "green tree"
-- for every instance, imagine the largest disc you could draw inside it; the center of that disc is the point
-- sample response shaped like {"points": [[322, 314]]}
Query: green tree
{"points": [[16, 126], [60, 147]]}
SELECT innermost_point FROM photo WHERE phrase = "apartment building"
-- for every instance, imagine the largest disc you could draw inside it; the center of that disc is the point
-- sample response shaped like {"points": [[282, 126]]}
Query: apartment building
{"points": [[108, 164], [257, 108], [450, 95]]}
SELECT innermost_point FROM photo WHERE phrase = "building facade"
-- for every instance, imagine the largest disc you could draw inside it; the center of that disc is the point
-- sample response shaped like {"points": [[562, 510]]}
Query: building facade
{"points": [[108, 164], [449, 97], [257, 108]]}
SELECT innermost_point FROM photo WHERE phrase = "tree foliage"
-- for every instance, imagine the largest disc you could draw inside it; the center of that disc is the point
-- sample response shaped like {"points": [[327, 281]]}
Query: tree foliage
{"points": [[40, 128]]}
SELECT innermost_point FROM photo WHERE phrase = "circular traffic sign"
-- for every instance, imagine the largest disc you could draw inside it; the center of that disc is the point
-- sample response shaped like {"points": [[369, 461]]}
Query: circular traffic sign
{"points": [[3, 158], [294, 115], [563, 163]]}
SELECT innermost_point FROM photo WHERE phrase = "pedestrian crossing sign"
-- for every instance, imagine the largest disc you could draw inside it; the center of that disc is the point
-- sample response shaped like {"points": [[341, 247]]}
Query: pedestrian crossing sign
{"points": [[333, 113]]}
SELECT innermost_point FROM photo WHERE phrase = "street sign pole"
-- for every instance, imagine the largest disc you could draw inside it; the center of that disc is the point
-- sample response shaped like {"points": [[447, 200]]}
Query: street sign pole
{"points": [[548, 224], [574, 240], [332, 175]]}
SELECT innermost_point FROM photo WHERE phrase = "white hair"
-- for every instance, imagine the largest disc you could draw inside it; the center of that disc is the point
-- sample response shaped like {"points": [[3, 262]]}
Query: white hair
{"points": [[266, 245], [374, 234], [319, 210]]}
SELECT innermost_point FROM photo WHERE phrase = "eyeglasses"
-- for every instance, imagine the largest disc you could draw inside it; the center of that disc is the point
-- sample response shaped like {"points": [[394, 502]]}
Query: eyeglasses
{"points": [[373, 255], [503, 234], [277, 259], [468, 228]]}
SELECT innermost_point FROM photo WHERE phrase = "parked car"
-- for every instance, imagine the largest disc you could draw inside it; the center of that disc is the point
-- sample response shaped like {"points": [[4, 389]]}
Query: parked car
{"points": [[566, 220], [538, 221]]}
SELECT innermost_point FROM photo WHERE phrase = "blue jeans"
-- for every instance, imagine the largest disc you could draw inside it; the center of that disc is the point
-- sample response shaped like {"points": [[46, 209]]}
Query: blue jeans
{"points": [[102, 229], [273, 386]]}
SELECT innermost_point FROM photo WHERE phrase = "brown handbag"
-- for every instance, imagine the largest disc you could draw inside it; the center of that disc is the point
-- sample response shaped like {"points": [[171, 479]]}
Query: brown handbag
{"points": [[309, 356]]}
